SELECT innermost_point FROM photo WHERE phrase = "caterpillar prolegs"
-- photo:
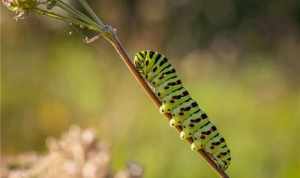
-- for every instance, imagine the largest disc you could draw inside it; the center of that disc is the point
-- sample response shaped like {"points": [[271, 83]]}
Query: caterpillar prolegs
{"points": [[186, 113]]}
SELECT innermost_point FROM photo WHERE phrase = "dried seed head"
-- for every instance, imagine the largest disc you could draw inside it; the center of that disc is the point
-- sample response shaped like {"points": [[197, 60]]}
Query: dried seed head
{"points": [[20, 7]]}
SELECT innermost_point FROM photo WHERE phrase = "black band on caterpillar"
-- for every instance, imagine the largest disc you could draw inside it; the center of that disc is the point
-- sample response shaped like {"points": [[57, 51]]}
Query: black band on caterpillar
{"points": [[185, 111]]}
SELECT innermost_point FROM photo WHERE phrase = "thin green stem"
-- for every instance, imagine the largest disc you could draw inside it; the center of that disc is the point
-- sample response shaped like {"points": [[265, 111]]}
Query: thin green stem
{"points": [[91, 12], [51, 14]]}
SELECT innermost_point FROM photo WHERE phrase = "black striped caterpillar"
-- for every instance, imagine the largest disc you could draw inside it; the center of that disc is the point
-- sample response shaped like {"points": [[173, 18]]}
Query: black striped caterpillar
{"points": [[176, 100]]}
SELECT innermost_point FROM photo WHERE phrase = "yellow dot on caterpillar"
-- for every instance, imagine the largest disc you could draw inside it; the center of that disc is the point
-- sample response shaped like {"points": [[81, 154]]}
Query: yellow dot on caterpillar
{"points": [[193, 147], [161, 110], [182, 135], [172, 123]]}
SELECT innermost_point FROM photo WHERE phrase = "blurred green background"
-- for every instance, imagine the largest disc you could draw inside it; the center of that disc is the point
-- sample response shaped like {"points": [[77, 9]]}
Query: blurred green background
{"points": [[239, 58]]}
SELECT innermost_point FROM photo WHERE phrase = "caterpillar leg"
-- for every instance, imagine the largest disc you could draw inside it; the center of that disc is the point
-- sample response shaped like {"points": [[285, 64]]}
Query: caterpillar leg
{"points": [[162, 109], [195, 146], [174, 123]]}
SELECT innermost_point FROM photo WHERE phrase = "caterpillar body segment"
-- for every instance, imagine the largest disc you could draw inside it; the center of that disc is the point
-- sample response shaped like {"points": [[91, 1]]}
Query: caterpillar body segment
{"points": [[163, 77], [193, 124], [168, 87], [185, 111], [174, 99]]}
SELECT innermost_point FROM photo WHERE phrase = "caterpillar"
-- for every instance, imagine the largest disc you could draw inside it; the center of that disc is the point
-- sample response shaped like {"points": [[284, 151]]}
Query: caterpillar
{"points": [[185, 111]]}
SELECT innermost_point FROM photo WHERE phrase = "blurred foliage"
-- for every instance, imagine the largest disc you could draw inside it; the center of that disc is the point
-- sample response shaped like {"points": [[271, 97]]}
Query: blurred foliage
{"points": [[78, 153], [238, 58]]}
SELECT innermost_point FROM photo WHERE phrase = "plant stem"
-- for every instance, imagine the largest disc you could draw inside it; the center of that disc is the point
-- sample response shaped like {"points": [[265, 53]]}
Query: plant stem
{"points": [[116, 43]]}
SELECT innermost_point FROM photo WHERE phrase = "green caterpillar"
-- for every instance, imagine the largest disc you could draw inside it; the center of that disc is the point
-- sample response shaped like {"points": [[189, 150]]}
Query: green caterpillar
{"points": [[176, 100]]}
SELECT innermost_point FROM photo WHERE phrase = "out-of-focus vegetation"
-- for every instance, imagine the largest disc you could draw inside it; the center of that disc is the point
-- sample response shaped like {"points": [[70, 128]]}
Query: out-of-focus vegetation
{"points": [[238, 58], [77, 154]]}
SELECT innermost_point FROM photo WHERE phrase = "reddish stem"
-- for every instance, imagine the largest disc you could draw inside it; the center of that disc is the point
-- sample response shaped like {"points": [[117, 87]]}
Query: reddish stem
{"points": [[114, 40]]}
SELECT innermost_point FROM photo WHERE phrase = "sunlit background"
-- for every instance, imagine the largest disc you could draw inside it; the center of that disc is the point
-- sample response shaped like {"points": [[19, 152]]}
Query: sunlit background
{"points": [[239, 58]]}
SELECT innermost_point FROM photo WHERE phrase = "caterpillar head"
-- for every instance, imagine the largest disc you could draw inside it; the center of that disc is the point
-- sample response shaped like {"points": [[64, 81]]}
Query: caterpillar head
{"points": [[139, 61]]}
